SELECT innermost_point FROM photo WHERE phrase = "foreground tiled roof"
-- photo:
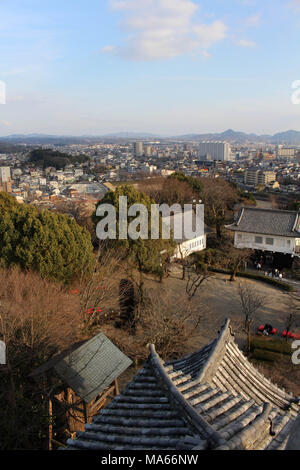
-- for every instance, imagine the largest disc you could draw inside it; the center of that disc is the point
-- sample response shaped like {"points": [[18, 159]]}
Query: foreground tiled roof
{"points": [[212, 399], [268, 222]]}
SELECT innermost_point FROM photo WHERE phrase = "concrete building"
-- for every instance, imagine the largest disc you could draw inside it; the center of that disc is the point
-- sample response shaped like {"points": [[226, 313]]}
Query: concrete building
{"points": [[138, 149], [5, 176], [256, 176], [285, 152], [5, 179], [148, 151], [218, 151]]}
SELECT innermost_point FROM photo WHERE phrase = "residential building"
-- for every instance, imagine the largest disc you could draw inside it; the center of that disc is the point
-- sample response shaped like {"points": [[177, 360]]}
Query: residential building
{"points": [[217, 150], [138, 149], [5, 179], [257, 176], [285, 152]]}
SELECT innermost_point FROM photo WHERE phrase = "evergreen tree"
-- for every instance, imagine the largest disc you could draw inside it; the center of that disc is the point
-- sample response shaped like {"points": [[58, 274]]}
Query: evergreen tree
{"points": [[52, 244]]}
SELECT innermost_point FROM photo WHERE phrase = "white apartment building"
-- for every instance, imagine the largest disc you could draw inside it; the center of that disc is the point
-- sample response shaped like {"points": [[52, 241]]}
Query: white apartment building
{"points": [[5, 174], [218, 150]]}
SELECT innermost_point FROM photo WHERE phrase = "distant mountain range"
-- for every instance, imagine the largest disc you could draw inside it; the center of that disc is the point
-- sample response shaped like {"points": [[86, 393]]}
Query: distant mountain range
{"points": [[288, 138]]}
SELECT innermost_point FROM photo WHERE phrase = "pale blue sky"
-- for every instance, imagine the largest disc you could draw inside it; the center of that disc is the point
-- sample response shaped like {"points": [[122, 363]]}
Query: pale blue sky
{"points": [[163, 66]]}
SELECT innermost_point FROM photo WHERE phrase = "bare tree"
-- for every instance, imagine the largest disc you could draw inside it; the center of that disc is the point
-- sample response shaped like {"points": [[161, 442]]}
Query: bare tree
{"points": [[195, 278], [292, 319], [171, 322], [99, 290], [250, 302], [237, 259], [38, 318], [219, 198]]}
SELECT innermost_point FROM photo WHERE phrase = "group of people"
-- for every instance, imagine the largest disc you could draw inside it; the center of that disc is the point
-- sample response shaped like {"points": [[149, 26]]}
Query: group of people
{"points": [[274, 273], [258, 264]]}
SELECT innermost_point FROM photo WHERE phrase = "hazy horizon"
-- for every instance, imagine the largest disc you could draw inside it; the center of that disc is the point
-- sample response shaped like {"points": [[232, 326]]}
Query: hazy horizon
{"points": [[168, 67]]}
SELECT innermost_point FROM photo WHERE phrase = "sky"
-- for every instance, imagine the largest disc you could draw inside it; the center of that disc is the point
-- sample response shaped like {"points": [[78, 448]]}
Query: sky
{"points": [[169, 67]]}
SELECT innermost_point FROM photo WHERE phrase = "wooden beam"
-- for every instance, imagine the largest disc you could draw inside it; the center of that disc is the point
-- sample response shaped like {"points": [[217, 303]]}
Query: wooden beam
{"points": [[117, 390], [103, 397], [50, 424]]}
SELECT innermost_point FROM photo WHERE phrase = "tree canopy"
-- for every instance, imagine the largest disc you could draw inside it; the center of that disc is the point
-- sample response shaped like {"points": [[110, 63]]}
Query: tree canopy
{"points": [[58, 160], [52, 244], [145, 254]]}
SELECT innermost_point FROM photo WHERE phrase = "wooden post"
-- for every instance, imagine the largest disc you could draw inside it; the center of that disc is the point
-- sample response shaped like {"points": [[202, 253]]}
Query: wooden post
{"points": [[85, 413], [50, 424], [117, 390]]}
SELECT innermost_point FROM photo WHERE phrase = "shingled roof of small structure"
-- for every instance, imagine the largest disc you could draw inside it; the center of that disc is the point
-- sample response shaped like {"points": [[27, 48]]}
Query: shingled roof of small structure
{"points": [[268, 222], [211, 399]]}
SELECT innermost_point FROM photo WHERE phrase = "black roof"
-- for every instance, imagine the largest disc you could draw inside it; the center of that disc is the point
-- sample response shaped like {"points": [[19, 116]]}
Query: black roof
{"points": [[211, 399], [268, 222]]}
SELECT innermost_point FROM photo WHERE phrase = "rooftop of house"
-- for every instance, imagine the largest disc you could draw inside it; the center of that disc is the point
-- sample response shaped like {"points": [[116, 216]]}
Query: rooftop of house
{"points": [[211, 399], [88, 367], [267, 221]]}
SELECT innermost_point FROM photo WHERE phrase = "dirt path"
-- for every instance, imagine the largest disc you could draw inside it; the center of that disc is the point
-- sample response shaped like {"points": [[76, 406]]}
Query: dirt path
{"points": [[221, 298]]}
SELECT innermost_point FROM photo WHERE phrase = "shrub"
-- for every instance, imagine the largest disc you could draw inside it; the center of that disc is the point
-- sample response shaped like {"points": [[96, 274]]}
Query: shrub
{"points": [[278, 346], [264, 355], [256, 277]]}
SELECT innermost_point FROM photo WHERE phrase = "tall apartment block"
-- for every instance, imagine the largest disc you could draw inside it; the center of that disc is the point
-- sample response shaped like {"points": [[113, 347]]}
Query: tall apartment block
{"points": [[138, 149], [220, 151], [5, 179]]}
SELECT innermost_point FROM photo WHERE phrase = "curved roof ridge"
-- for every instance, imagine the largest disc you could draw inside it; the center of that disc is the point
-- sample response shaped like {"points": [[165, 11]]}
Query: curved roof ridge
{"points": [[194, 360], [216, 354], [205, 430], [262, 209]]}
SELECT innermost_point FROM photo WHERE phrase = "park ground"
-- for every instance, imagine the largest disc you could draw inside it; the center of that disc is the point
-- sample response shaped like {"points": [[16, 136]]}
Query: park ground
{"points": [[218, 299]]}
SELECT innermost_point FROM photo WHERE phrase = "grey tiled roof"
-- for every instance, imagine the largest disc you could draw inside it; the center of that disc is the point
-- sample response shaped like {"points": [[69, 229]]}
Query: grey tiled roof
{"points": [[268, 222], [92, 367], [212, 399]]}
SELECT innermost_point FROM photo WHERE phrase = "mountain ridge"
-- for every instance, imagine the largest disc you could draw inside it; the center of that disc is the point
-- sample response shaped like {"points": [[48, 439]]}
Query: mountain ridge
{"points": [[290, 137]]}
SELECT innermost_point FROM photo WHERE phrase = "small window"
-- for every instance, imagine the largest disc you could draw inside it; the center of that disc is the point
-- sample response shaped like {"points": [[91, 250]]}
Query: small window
{"points": [[288, 242], [258, 239], [270, 241], [239, 236]]}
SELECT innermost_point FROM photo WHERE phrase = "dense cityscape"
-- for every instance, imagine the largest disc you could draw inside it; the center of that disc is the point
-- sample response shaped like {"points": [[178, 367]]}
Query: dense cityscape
{"points": [[149, 231], [266, 169]]}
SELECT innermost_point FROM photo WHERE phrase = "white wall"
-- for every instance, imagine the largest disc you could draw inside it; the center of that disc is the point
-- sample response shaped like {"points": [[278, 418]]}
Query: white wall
{"points": [[281, 244], [190, 246]]}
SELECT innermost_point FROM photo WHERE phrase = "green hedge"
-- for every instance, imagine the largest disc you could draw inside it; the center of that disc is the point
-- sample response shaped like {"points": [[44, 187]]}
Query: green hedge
{"points": [[264, 355], [278, 346], [257, 277]]}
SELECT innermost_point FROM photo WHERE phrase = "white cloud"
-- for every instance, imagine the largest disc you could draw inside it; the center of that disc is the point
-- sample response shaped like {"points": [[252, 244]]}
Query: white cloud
{"points": [[253, 20], [245, 43], [162, 29]]}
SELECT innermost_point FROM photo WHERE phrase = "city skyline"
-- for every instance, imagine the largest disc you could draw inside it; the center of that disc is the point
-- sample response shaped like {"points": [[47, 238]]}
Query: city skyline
{"points": [[168, 67]]}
